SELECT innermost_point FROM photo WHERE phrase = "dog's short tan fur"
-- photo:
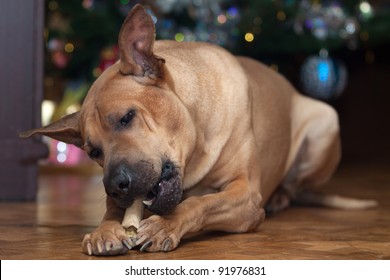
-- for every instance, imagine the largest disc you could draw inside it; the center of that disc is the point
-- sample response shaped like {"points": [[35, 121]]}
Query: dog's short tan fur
{"points": [[239, 134]]}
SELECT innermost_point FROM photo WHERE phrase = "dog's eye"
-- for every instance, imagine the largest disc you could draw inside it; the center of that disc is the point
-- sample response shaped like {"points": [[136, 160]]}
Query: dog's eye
{"points": [[95, 153], [127, 118]]}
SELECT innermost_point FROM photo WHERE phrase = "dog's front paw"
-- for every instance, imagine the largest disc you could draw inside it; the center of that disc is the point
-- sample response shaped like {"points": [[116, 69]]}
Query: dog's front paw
{"points": [[158, 234], [109, 238]]}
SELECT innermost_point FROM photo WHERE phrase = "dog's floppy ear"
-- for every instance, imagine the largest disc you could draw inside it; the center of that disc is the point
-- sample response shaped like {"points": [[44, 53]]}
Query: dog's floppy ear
{"points": [[136, 39], [65, 129]]}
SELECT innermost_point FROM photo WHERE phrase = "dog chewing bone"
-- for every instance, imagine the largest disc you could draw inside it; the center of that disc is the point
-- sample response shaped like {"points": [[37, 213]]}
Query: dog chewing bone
{"points": [[132, 218], [151, 122]]}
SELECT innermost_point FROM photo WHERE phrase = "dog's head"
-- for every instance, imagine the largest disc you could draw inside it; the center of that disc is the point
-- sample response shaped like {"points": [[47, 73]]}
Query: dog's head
{"points": [[131, 123]]}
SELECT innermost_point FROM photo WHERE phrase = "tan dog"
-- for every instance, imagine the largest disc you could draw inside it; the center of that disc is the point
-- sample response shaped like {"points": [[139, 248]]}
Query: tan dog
{"points": [[205, 138]]}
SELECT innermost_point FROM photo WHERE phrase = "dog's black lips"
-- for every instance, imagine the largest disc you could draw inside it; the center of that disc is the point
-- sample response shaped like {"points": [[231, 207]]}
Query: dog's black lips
{"points": [[167, 193]]}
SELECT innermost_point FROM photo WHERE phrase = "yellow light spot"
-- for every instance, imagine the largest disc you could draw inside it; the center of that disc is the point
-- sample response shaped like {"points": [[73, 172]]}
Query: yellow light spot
{"points": [[96, 72], [69, 47], [274, 67], [46, 34], [281, 16], [108, 54], [316, 3], [179, 37], [72, 109], [53, 5], [48, 108], [249, 37]]}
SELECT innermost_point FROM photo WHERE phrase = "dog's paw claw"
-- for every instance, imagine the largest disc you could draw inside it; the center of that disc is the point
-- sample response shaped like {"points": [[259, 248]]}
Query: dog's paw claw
{"points": [[99, 247], [157, 234], [89, 249], [108, 246], [128, 243], [108, 239], [166, 245], [146, 246], [141, 240]]}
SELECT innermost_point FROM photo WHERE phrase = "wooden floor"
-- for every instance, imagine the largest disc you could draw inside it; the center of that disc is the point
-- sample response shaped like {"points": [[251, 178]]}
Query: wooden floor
{"points": [[70, 205]]}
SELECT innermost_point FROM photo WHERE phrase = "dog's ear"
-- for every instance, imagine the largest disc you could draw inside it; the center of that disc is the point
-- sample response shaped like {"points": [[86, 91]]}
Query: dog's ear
{"points": [[65, 129], [136, 39]]}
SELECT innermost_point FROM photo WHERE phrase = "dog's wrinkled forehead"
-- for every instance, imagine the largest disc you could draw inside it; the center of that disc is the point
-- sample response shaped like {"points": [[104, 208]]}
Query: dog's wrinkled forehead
{"points": [[112, 86], [115, 99]]}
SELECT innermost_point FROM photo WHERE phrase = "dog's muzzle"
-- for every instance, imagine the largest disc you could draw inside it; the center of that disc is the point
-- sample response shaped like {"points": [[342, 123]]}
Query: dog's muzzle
{"points": [[161, 197]]}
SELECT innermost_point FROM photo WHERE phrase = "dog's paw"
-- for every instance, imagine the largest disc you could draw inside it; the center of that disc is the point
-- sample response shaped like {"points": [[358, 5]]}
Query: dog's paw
{"points": [[279, 201], [109, 238], [157, 234]]}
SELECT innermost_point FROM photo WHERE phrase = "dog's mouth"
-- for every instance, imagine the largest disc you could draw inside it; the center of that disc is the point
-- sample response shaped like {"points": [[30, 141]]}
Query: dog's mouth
{"points": [[166, 193]]}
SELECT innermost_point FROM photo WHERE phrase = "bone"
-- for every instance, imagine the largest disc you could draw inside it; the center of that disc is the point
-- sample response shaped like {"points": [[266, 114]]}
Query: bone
{"points": [[133, 217]]}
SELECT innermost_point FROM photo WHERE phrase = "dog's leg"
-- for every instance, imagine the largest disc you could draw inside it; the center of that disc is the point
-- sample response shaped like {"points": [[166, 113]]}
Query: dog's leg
{"points": [[110, 237], [315, 151], [315, 160], [235, 209], [320, 155]]}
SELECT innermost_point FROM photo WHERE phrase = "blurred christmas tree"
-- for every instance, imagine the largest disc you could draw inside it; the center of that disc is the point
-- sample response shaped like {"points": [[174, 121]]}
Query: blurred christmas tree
{"points": [[81, 36], [78, 35], [309, 25], [77, 32]]}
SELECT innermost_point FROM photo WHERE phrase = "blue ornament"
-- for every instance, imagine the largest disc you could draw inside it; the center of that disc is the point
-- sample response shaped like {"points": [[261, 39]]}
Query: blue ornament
{"points": [[323, 77]]}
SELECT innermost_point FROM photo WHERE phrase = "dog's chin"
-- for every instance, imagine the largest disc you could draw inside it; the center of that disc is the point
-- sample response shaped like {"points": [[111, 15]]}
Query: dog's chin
{"points": [[164, 196]]}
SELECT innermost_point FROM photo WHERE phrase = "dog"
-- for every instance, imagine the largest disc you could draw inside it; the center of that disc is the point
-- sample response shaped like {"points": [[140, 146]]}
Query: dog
{"points": [[208, 141]]}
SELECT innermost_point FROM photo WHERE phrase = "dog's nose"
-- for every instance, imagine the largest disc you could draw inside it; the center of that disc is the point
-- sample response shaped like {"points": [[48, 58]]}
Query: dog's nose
{"points": [[117, 182], [121, 182]]}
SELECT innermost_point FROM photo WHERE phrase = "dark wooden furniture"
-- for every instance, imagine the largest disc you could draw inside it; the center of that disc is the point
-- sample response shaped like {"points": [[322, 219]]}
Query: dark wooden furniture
{"points": [[21, 91]]}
